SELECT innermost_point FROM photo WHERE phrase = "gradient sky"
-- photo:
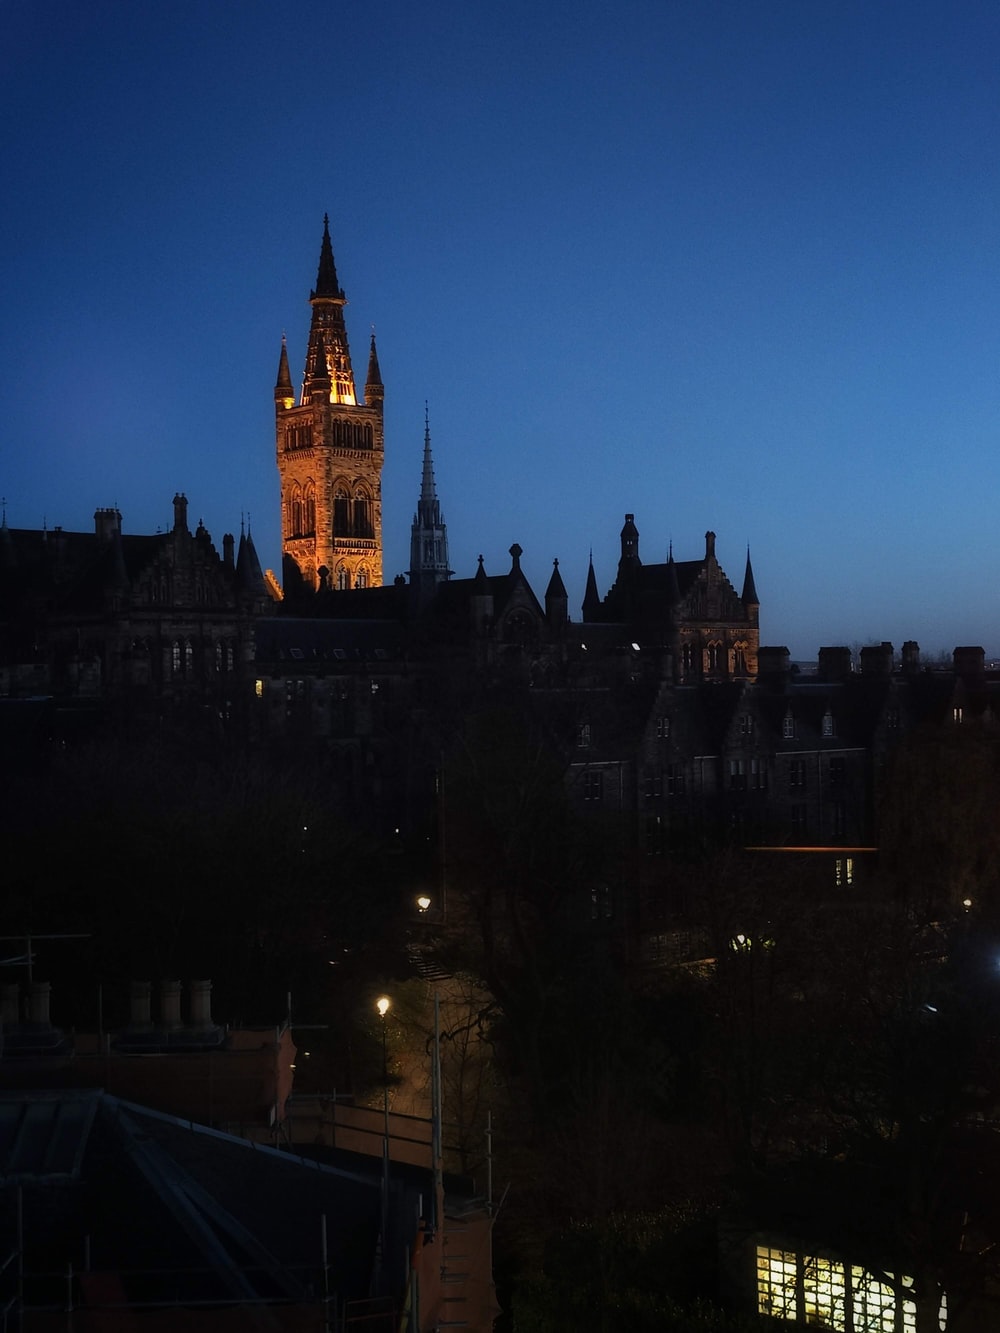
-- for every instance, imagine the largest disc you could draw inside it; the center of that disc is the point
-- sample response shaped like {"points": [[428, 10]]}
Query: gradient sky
{"points": [[728, 265]]}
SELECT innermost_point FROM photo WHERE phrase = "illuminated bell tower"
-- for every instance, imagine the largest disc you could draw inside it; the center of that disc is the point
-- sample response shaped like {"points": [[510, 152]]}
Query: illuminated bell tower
{"points": [[330, 450]]}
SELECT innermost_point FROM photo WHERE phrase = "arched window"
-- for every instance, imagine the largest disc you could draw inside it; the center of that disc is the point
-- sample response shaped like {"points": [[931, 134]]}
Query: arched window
{"points": [[715, 656], [341, 512], [295, 510], [369, 437], [343, 578], [362, 579], [362, 514], [739, 659], [309, 509]]}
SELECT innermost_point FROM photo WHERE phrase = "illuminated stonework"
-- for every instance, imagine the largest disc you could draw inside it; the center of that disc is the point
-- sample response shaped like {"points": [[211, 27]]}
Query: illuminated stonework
{"points": [[835, 1295], [330, 451]]}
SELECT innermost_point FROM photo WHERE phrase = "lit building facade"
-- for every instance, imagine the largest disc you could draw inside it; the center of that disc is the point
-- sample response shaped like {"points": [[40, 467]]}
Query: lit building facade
{"points": [[330, 448]]}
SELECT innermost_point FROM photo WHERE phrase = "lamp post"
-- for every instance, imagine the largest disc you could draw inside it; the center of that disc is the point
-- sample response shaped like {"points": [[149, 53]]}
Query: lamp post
{"points": [[383, 1004]]}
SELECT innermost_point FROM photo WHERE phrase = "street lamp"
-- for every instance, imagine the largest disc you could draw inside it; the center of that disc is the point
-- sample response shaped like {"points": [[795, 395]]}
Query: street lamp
{"points": [[423, 903], [383, 1004]]}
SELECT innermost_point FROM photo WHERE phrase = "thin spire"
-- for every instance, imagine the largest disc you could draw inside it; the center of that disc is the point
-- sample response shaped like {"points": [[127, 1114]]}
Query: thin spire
{"points": [[428, 493], [749, 595]]}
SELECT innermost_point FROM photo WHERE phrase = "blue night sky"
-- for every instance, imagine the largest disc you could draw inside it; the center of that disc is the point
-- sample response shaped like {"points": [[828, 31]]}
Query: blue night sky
{"points": [[726, 265]]}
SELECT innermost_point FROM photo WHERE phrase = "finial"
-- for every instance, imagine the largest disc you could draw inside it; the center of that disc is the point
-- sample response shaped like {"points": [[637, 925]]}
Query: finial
{"points": [[556, 562]]}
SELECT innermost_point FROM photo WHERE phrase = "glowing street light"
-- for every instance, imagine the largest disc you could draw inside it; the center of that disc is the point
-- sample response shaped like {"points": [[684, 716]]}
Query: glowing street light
{"points": [[383, 1005], [423, 903]]}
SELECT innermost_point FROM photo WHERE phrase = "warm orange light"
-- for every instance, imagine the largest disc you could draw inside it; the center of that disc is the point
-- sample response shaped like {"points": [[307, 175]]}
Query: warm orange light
{"points": [[382, 1005]]}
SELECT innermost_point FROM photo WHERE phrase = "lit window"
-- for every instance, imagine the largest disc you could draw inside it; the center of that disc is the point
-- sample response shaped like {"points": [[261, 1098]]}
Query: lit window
{"points": [[827, 1292], [258, 688], [843, 869], [956, 715]]}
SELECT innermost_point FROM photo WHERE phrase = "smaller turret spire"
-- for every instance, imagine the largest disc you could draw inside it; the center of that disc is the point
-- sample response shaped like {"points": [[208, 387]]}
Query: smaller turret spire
{"points": [[284, 394], [374, 389], [749, 594], [591, 597]]}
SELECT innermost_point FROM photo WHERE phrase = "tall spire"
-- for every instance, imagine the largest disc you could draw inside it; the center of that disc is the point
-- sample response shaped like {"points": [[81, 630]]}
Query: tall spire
{"points": [[326, 276], [428, 535], [428, 494], [328, 355]]}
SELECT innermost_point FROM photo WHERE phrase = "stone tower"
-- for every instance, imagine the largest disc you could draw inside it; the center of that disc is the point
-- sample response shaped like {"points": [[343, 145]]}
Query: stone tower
{"points": [[330, 451]]}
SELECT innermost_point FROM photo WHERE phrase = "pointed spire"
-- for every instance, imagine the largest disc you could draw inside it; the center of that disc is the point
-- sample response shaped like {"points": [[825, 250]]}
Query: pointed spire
{"points": [[749, 594], [374, 388], [591, 597], [428, 533], [556, 586], [284, 394], [249, 575], [326, 277], [427, 491], [480, 576]]}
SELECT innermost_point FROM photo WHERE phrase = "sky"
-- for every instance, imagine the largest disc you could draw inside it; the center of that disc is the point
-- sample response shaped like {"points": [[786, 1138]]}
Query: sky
{"points": [[723, 264]]}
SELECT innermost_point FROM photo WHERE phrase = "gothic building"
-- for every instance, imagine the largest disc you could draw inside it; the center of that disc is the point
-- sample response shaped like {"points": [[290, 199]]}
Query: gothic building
{"points": [[330, 451]]}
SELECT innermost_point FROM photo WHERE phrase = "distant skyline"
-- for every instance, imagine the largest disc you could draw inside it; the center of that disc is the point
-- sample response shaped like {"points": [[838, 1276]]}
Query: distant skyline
{"points": [[730, 266]]}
